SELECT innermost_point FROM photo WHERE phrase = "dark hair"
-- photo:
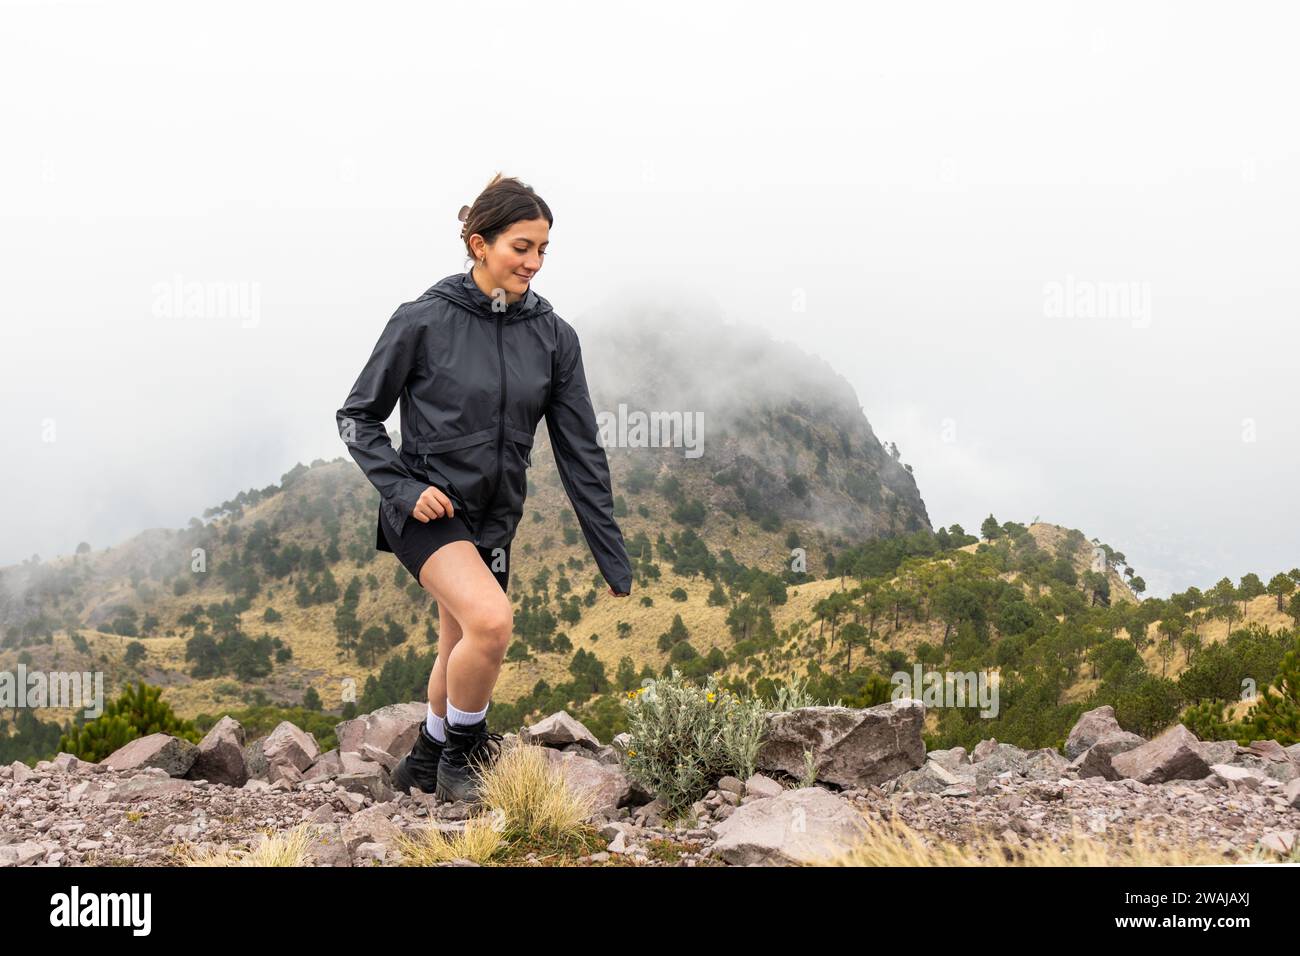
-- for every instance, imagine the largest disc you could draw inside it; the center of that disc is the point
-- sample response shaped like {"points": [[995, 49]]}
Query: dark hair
{"points": [[502, 203]]}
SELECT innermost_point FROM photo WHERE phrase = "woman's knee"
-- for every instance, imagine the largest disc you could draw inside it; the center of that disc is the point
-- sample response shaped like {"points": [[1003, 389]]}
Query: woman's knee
{"points": [[492, 622]]}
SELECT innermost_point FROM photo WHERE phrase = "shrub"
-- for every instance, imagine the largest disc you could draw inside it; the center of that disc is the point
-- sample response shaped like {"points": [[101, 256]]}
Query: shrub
{"points": [[138, 712], [683, 737]]}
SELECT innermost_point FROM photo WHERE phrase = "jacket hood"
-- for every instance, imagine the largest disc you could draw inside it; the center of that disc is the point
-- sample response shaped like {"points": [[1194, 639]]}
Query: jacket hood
{"points": [[461, 289]]}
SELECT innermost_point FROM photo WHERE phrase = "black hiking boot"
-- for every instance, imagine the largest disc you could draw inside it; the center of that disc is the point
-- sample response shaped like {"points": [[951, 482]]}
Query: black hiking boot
{"points": [[419, 768], [470, 750]]}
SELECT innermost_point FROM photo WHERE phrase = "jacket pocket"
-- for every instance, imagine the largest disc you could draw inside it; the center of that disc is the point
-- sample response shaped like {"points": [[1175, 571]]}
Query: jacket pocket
{"points": [[462, 465], [521, 437]]}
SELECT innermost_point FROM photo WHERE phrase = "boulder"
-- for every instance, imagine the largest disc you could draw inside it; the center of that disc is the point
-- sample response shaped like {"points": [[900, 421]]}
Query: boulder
{"points": [[289, 746], [220, 757], [1096, 760], [852, 747], [392, 729], [605, 785], [1089, 728], [807, 825], [163, 751], [1171, 756]]}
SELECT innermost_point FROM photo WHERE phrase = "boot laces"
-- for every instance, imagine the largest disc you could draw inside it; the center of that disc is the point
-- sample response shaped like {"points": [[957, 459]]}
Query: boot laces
{"points": [[486, 747]]}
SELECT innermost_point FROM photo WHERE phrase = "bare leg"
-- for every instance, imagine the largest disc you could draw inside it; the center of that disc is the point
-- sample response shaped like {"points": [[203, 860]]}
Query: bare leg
{"points": [[449, 632], [456, 575]]}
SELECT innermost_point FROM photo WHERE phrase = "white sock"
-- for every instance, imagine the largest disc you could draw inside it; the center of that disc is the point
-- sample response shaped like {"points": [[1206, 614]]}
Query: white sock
{"points": [[463, 717], [436, 726]]}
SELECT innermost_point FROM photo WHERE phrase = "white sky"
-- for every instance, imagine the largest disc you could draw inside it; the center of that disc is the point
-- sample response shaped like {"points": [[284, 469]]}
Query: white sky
{"points": [[919, 173]]}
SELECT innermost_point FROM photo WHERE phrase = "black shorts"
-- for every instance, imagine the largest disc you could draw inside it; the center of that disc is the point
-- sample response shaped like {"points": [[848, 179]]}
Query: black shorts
{"points": [[419, 539]]}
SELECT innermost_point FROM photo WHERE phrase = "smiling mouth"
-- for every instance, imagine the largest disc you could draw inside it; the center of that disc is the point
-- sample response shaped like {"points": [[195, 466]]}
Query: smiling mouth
{"points": [[525, 278]]}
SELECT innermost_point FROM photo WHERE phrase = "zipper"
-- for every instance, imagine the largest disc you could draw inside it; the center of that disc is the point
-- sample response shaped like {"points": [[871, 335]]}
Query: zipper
{"points": [[501, 415]]}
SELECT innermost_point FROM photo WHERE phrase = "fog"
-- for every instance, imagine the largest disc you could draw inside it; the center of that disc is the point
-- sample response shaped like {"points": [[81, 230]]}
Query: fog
{"points": [[1052, 247]]}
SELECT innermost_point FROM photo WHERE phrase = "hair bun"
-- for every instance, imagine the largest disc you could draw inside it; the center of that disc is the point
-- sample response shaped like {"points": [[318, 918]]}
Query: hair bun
{"points": [[463, 215]]}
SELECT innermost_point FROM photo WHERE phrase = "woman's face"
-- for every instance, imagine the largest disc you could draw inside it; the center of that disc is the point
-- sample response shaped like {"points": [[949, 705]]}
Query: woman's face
{"points": [[516, 256]]}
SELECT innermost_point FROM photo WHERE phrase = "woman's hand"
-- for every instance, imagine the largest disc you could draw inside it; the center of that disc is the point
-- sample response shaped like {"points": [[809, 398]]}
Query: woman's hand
{"points": [[432, 504]]}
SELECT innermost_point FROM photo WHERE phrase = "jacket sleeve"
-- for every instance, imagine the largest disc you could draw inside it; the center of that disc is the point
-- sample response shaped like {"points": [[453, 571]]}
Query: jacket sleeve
{"points": [[371, 401], [581, 461]]}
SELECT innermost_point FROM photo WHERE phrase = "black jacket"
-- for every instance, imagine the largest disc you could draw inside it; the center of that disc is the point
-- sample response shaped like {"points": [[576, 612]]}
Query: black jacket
{"points": [[473, 382]]}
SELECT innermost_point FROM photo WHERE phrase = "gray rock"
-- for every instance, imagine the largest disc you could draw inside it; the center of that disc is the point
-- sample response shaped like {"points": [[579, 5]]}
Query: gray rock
{"points": [[255, 760], [852, 747], [327, 765], [731, 784], [392, 729], [381, 757], [757, 785], [1281, 842], [1171, 756], [932, 777], [559, 730], [371, 853], [606, 786], [327, 847], [952, 759], [69, 763], [1241, 776], [1090, 728], [1218, 751], [141, 787], [1269, 749], [220, 758], [163, 751], [371, 825], [983, 749], [807, 825], [371, 783], [289, 746], [1044, 764], [1096, 760], [21, 854]]}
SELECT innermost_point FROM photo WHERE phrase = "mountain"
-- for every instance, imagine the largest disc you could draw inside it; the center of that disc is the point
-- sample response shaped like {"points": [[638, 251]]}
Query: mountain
{"points": [[793, 547]]}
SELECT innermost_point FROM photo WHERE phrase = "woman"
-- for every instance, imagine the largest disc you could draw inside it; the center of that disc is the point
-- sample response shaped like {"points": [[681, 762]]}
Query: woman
{"points": [[475, 363]]}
